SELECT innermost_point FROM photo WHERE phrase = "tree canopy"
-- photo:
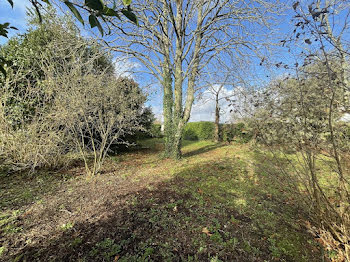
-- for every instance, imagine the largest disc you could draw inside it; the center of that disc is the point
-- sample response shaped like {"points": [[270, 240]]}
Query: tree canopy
{"points": [[96, 10]]}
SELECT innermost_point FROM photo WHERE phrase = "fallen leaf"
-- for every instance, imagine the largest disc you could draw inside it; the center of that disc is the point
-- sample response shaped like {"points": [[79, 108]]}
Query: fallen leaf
{"points": [[116, 258], [206, 231]]}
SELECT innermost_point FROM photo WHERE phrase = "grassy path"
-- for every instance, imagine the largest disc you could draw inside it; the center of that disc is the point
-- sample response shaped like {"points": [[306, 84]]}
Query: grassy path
{"points": [[217, 204]]}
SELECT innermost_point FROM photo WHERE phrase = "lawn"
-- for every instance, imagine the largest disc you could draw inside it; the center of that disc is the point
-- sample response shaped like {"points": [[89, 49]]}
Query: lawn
{"points": [[218, 203]]}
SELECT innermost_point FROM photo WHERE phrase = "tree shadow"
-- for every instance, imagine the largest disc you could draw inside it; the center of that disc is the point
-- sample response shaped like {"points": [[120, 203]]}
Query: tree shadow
{"points": [[196, 216], [157, 224], [203, 150]]}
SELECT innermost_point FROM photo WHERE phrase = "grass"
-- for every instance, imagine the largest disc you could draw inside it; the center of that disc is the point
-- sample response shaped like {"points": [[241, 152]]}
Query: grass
{"points": [[216, 204], [18, 190]]}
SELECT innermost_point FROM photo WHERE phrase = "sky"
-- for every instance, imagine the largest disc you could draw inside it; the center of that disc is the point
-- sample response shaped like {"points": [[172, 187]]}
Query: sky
{"points": [[16, 16], [203, 110]]}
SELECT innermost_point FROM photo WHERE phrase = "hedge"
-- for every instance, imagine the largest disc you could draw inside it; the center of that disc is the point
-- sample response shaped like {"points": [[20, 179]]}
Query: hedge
{"points": [[238, 132], [228, 132], [199, 131], [156, 130]]}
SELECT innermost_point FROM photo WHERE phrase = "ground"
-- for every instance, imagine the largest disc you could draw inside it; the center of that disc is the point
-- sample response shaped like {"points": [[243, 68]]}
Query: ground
{"points": [[219, 203]]}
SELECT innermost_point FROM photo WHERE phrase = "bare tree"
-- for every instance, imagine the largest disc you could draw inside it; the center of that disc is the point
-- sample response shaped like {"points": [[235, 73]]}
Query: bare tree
{"points": [[216, 92], [223, 86], [302, 113], [325, 26], [176, 40], [97, 109]]}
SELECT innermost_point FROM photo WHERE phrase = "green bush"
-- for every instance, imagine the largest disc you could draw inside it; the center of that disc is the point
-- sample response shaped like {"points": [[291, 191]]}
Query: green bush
{"points": [[238, 132], [227, 132], [156, 130], [190, 134], [347, 130], [199, 131]]}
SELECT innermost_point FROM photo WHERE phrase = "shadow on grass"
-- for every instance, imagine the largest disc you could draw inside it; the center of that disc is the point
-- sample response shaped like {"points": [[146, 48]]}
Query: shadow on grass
{"points": [[20, 189], [215, 210], [157, 144], [202, 150]]}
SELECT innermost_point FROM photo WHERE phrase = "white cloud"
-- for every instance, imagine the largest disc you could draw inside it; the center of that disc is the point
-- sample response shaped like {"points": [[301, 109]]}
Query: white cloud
{"points": [[204, 108], [158, 112], [125, 67], [345, 117]]}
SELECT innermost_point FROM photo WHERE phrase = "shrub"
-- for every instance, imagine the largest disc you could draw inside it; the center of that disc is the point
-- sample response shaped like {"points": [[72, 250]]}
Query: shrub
{"points": [[190, 134], [98, 111], [37, 144], [227, 133], [199, 131], [305, 119], [239, 132], [74, 106], [156, 130], [146, 121]]}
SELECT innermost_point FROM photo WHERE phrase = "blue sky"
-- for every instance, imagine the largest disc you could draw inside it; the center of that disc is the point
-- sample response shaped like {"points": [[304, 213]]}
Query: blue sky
{"points": [[203, 112], [16, 16]]}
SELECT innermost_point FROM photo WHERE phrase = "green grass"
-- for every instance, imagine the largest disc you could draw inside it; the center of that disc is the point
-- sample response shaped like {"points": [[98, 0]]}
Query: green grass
{"points": [[8, 223], [17, 190], [218, 203]]}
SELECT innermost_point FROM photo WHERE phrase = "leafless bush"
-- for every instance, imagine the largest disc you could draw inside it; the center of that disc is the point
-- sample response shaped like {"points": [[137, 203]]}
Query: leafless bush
{"points": [[24, 143], [299, 118], [81, 109]]}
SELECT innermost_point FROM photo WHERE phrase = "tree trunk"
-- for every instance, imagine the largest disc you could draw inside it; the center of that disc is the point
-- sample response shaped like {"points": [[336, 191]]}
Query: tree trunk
{"points": [[217, 119], [168, 112], [178, 82], [176, 154], [175, 116]]}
